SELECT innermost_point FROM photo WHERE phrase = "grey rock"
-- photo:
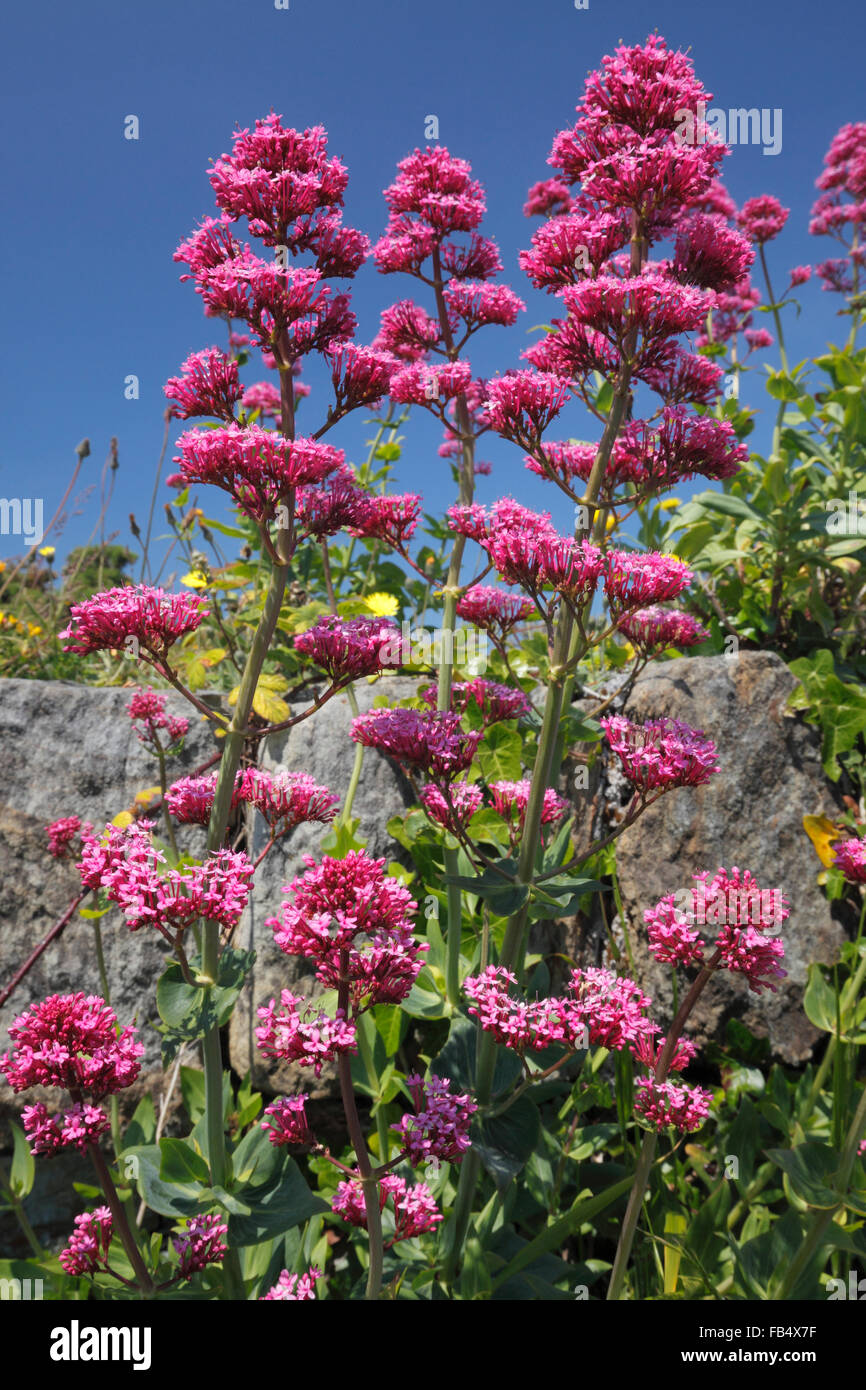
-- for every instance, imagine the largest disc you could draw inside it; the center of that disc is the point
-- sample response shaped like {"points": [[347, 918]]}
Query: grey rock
{"points": [[750, 814], [72, 750]]}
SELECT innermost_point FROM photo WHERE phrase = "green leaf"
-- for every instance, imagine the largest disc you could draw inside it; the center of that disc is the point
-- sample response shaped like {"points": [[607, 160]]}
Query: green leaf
{"points": [[499, 755], [810, 1169], [179, 1163], [166, 1198], [23, 1169], [819, 1001], [506, 1142], [278, 1203]]}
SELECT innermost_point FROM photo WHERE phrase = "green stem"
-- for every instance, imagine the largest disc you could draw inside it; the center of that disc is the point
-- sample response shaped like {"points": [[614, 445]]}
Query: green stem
{"points": [[17, 1205], [365, 1052], [121, 1224]]}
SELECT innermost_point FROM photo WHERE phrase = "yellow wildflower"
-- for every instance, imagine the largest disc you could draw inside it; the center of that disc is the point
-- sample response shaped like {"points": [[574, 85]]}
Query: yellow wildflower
{"points": [[382, 605], [195, 580]]}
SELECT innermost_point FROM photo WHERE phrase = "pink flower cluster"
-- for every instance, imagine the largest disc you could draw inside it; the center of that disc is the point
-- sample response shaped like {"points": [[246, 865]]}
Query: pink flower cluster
{"points": [[124, 864], [61, 834], [762, 218], [465, 799], [210, 385], [354, 920], [89, 1243], [151, 617], [201, 1243], [288, 1122], [70, 1041], [662, 753], [255, 466], [849, 856], [283, 798], [439, 1128], [297, 1033], [600, 1010], [511, 799], [844, 173], [147, 708], [654, 628], [433, 742], [664, 1104], [298, 1287], [414, 1208], [493, 610], [633, 579], [348, 648], [495, 701]]}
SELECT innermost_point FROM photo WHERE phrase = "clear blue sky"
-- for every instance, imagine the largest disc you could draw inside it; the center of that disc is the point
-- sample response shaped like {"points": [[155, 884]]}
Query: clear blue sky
{"points": [[92, 219]]}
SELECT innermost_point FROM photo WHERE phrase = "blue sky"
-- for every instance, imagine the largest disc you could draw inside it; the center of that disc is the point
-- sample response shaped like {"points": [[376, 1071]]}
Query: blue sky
{"points": [[92, 219]]}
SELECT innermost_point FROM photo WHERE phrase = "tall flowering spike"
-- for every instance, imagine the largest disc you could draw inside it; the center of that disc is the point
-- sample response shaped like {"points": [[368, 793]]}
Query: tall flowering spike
{"points": [[255, 466], [348, 648], [637, 143], [666, 1105], [661, 754], [209, 385], [153, 618], [433, 742]]}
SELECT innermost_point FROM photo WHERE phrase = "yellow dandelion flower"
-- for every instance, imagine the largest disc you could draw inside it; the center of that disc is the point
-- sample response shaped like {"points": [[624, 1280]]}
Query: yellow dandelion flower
{"points": [[195, 580], [33, 629], [47, 551], [670, 503], [382, 605]]}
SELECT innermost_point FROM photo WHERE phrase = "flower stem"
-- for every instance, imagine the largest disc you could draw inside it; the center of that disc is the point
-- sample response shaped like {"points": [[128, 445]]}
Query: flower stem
{"points": [[121, 1225]]}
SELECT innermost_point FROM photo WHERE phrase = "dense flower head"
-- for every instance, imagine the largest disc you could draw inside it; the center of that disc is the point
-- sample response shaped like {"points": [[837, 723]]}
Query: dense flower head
{"points": [[297, 1033], [147, 709], [257, 467], [202, 1242], [286, 798], [606, 1010], [208, 246], [654, 628], [124, 863], [635, 580], [298, 1287], [746, 915], [477, 259], [153, 618], [849, 856], [511, 799], [288, 1123], [477, 303], [683, 377], [547, 197], [71, 1041], [710, 254], [439, 1127], [287, 306], [799, 275], [434, 742], [437, 188], [361, 375], [348, 648], [520, 406], [762, 218], [662, 753], [671, 935], [652, 303], [392, 519], [649, 1052], [495, 701], [416, 383], [414, 1209], [465, 797], [407, 331], [264, 397], [333, 507], [61, 834], [492, 609], [515, 1023], [467, 519], [571, 349], [566, 249], [665, 1104], [190, 799], [336, 900], [209, 385], [77, 1126], [88, 1246]]}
